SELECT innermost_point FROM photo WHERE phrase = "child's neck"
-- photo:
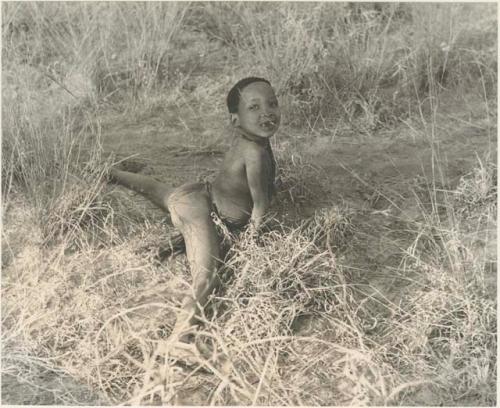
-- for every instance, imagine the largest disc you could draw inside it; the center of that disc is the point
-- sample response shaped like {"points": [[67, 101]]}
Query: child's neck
{"points": [[261, 141]]}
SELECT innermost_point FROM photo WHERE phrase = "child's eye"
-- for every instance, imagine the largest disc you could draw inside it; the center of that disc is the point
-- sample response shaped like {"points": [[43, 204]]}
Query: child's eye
{"points": [[253, 107]]}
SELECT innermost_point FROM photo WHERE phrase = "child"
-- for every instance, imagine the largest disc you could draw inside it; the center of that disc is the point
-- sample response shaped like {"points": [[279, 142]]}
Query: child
{"points": [[240, 194]]}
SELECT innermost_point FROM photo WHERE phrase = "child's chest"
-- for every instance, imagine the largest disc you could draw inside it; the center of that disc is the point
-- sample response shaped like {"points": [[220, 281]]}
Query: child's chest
{"points": [[246, 154]]}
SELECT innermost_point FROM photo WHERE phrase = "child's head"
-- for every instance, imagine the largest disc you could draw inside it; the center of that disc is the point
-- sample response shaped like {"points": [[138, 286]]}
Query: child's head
{"points": [[253, 106], [233, 97]]}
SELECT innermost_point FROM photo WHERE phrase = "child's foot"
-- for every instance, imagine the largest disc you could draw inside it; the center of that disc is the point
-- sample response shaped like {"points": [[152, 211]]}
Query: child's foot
{"points": [[194, 354], [179, 348], [179, 344], [185, 353], [130, 165]]}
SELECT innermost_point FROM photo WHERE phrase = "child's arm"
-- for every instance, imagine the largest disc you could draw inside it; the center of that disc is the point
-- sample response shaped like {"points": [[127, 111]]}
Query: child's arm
{"points": [[258, 184]]}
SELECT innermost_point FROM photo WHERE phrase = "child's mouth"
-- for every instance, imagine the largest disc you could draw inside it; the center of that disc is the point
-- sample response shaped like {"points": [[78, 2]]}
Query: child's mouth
{"points": [[268, 125]]}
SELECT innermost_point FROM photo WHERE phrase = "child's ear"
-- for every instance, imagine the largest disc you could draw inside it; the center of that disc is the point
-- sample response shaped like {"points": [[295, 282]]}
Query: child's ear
{"points": [[235, 119]]}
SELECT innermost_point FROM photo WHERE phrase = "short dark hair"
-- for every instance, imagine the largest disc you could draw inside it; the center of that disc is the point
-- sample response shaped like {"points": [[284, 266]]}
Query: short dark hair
{"points": [[233, 97]]}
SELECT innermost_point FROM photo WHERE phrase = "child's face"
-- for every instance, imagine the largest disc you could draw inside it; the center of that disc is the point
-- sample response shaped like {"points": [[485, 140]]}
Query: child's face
{"points": [[258, 110]]}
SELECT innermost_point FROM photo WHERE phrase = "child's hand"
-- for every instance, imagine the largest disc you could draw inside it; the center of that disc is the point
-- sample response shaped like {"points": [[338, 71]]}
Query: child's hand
{"points": [[258, 226], [254, 232]]}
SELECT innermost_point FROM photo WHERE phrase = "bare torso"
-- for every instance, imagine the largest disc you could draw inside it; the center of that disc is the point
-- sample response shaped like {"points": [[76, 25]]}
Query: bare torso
{"points": [[230, 189]]}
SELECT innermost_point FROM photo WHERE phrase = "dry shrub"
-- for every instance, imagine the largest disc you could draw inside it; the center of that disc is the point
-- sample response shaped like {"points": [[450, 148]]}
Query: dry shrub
{"points": [[114, 48], [136, 55], [456, 53], [385, 56], [277, 270], [58, 170], [52, 158], [444, 330]]}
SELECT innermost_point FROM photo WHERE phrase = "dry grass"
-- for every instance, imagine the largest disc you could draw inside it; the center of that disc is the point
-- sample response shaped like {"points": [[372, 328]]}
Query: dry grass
{"points": [[83, 291]]}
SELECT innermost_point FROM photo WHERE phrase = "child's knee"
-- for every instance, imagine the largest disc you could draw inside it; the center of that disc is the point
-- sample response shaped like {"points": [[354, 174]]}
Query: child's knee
{"points": [[174, 211], [175, 204]]}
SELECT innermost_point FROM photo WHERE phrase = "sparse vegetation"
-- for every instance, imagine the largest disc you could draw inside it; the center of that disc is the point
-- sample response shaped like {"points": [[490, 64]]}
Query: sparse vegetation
{"points": [[376, 283]]}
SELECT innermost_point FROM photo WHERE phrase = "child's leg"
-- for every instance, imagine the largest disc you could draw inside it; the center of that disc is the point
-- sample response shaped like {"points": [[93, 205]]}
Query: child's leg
{"points": [[190, 209], [153, 190]]}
